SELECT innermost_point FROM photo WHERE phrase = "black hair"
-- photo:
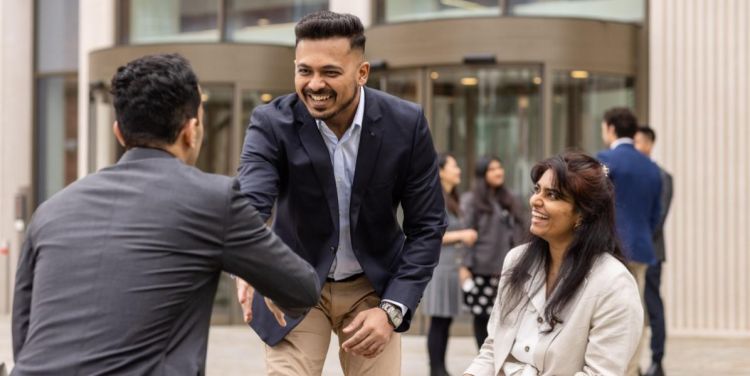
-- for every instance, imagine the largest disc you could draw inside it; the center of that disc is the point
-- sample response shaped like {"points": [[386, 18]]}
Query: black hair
{"points": [[153, 97], [583, 182], [484, 195], [623, 120], [325, 24], [648, 132], [452, 197]]}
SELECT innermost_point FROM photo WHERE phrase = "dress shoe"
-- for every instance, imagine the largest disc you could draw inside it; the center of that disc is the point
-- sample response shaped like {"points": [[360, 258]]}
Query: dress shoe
{"points": [[439, 371], [654, 370]]}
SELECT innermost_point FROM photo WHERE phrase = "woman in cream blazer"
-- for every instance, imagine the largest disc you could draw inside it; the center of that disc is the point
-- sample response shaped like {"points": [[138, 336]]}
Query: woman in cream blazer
{"points": [[567, 303]]}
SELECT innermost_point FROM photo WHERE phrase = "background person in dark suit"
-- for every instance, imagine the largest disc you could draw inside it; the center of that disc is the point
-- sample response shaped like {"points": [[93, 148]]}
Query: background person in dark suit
{"points": [[337, 159], [637, 182], [644, 142], [119, 270]]}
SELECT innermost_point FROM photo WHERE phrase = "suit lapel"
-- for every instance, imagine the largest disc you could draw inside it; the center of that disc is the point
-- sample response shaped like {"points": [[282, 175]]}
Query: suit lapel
{"points": [[316, 150], [367, 156]]}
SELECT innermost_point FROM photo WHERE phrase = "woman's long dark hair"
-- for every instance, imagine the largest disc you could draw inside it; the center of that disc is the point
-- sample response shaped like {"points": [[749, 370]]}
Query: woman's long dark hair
{"points": [[484, 195], [583, 182], [451, 198]]}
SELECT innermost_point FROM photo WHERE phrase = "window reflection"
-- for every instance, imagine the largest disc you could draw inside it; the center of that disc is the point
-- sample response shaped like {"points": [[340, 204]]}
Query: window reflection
{"points": [[57, 134], [217, 128], [267, 21], [399, 10], [173, 21], [579, 100], [613, 10], [495, 110]]}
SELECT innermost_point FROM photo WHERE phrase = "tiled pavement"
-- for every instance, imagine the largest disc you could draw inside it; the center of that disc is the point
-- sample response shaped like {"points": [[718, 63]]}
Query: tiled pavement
{"points": [[235, 350]]}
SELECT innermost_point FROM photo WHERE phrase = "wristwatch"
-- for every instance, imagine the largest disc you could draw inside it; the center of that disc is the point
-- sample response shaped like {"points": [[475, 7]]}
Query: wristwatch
{"points": [[395, 317]]}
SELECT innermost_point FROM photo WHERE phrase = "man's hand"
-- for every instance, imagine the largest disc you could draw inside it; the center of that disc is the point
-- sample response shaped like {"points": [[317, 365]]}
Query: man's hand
{"points": [[245, 294], [277, 313], [371, 333], [245, 297]]}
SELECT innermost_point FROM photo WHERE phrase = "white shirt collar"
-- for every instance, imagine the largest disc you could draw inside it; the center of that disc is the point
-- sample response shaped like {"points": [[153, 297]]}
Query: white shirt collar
{"points": [[621, 141]]}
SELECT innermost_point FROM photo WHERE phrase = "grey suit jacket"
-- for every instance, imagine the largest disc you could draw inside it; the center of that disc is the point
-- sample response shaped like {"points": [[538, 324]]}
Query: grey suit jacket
{"points": [[666, 203], [119, 270]]}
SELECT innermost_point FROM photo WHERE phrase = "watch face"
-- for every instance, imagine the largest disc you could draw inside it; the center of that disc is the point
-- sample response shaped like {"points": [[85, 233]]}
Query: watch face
{"points": [[394, 314]]}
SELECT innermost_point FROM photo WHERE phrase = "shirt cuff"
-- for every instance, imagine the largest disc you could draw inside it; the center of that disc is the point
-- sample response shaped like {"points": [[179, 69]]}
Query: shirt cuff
{"points": [[399, 305]]}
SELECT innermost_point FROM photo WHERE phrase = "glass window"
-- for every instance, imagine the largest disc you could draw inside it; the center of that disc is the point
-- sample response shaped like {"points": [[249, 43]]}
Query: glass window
{"points": [[579, 101], [252, 99], [57, 134], [57, 36], [217, 129], [401, 83], [267, 21], [489, 110], [173, 21], [398, 10], [613, 10]]}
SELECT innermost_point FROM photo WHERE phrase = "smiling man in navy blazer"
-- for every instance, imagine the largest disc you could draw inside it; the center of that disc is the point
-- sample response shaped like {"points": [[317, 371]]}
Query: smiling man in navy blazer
{"points": [[337, 159], [637, 182]]}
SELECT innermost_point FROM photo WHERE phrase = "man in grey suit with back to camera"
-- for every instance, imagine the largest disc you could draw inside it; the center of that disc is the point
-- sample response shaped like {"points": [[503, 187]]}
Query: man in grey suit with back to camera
{"points": [[119, 270]]}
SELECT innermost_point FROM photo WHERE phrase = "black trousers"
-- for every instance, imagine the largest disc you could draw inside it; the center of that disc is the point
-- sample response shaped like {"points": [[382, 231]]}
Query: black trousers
{"points": [[655, 309]]}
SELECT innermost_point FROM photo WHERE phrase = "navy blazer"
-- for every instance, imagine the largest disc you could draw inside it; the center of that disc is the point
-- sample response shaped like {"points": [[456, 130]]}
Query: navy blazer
{"points": [[285, 161], [637, 182]]}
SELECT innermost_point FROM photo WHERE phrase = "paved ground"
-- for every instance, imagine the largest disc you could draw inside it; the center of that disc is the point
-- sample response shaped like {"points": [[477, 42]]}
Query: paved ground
{"points": [[235, 350]]}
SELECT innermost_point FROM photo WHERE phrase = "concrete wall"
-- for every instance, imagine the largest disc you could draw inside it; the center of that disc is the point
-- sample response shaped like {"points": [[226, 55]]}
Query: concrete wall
{"points": [[699, 99], [16, 88]]}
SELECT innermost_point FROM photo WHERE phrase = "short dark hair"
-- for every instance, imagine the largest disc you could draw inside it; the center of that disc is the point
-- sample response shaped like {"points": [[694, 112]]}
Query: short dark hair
{"points": [[153, 96], [325, 24], [648, 132], [623, 120]]}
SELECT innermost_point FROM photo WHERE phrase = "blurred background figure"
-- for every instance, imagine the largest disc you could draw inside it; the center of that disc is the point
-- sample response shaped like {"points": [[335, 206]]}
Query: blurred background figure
{"points": [[442, 296], [637, 183], [497, 216], [644, 142]]}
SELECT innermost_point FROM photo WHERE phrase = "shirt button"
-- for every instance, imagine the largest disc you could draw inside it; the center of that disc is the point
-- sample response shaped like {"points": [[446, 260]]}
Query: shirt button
{"points": [[539, 319], [526, 349]]}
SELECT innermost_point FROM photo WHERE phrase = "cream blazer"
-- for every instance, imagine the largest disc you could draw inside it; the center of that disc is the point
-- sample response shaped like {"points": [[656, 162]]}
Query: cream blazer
{"points": [[600, 330]]}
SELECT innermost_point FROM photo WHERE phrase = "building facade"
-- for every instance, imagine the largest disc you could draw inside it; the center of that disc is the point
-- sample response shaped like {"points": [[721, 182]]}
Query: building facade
{"points": [[522, 79]]}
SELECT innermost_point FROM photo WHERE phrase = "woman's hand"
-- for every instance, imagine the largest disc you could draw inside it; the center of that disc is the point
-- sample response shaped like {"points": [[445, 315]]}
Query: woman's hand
{"points": [[463, 274], [469, 236]]}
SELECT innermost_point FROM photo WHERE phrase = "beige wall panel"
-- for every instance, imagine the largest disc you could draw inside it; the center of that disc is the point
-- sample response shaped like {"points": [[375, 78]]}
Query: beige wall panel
{"points": [[251, 65], [699, 99], [16, 85], [569, 43]]}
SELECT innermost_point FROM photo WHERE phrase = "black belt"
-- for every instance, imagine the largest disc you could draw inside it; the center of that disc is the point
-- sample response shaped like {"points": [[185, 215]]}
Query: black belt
{"points": [[347, 279]]}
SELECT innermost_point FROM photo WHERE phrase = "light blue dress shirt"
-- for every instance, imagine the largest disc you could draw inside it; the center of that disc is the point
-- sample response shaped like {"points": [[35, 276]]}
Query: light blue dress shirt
{"points": [[343, 154]]}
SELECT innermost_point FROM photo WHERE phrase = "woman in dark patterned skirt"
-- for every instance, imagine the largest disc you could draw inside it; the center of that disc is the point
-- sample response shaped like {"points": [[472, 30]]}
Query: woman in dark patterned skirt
{"points": [[497, 216]]}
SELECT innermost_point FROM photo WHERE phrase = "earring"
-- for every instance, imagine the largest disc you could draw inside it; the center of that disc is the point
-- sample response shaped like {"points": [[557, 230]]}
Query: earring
{"points": [[577, 226]]}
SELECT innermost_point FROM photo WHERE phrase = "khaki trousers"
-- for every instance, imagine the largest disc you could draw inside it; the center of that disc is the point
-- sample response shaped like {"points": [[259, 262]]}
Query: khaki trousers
{"points": [[638, 270], [303, 351]]}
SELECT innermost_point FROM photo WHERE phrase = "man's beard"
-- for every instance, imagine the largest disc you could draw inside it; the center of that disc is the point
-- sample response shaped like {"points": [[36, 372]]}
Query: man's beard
{"points": [[324, 117]]}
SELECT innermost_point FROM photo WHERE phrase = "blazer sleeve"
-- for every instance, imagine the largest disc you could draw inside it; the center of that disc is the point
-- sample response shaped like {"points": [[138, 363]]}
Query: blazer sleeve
{"points": [[666, 199], [424, 223], [253, 253], [22, 296], [655, 217], [258, 173], [616, 328], [469, 214]]}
